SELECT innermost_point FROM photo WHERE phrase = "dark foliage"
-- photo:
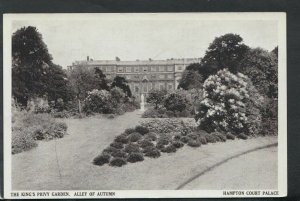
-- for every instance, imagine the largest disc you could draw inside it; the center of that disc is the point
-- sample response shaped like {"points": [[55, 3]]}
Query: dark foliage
{"points": [[101, 159], [141, 129], [135, 157], [117, 145], [119, 154], [210, 138], [194, 143], [117, 162], [184, 139], [169, 149], [145, 143], [152, 152], [230, 136], [121, 82], [134, 137], [177, 144], [131, 148], [122, 139], [110, 150], [129, 130], [242, 136], [151, 136]]}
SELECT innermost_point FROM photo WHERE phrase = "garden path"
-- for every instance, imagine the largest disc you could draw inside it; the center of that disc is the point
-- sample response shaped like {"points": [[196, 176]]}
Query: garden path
{"points": [[66, 164]]}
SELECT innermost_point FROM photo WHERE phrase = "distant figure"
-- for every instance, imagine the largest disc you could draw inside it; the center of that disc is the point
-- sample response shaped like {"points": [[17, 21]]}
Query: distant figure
{"points": [[142, 103]]}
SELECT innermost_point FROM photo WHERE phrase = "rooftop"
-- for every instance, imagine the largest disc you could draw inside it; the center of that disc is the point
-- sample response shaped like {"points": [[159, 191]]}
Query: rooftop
{"points": [[138, 62]]}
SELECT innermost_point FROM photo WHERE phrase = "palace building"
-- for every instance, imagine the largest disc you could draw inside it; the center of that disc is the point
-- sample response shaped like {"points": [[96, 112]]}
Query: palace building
{"points": [[142, 75]]}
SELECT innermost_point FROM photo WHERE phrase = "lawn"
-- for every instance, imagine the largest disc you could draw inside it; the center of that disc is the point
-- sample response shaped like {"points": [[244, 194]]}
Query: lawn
{"points": [[67, 163]]}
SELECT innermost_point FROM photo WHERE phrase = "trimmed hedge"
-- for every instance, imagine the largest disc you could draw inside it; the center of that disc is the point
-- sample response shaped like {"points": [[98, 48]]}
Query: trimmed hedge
{"points": [[101, 159], [117, 162], [135, 157]]}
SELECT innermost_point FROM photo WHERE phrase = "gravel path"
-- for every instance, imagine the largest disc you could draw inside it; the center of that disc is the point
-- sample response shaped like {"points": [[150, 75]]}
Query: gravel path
{"points": [[65, 164]]}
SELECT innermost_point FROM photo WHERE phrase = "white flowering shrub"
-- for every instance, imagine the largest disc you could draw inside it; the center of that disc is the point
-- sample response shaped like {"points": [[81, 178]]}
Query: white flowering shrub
{"points": [[98, 101], [230, 104]]}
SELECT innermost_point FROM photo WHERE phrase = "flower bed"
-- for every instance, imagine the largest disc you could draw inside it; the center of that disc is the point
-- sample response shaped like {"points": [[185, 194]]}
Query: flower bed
{"points": [[154, 137]]}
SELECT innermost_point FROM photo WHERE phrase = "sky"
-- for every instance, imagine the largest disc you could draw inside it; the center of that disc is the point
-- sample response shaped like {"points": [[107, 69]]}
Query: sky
{"points": [[104, 37]]}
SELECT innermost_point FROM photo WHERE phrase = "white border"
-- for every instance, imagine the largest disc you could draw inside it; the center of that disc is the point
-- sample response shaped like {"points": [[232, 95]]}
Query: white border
{"points": [[282, 97]]}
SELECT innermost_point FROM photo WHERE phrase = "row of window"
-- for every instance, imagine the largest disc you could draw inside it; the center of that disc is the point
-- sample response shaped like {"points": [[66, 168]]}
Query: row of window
{"points": [[149, 77], [146, 87], [136, 69]]}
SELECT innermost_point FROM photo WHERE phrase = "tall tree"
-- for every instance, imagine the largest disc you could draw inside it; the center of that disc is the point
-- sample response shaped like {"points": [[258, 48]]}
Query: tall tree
{"points": [[30, 61], [191, 79], [262, 68], [225, 52], [58, 84], [121, 82]]}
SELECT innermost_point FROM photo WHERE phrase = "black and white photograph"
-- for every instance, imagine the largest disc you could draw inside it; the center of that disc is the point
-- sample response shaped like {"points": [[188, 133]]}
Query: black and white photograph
{"points": [[145, 105]]}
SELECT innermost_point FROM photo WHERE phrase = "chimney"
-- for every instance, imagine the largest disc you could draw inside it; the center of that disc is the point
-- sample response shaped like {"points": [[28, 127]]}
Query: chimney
{"points": [[87, 58]]}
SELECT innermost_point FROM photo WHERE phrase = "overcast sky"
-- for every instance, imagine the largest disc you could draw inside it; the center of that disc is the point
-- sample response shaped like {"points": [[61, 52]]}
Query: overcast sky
{"points": [[104, 38]]}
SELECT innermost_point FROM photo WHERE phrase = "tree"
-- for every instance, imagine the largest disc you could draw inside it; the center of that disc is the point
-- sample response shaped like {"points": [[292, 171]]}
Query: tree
{"points": [[191, 79], [101, 80], [156, 97], [121, 82], [261, 67], [58, 84], [225, 52], [30, 61], [82, 81], [275, 51]]}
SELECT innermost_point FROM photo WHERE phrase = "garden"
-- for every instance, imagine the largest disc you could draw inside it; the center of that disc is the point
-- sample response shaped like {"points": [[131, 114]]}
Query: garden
{"points": [[212, 104]]}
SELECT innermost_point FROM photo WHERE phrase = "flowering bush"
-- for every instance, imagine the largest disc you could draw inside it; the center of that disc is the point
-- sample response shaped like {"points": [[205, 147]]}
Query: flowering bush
{"points": [[230, 104], [99, 101]]}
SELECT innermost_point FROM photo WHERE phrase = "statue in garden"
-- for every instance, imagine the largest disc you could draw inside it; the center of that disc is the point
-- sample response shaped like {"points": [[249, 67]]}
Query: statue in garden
{"points": [[142, 102]]}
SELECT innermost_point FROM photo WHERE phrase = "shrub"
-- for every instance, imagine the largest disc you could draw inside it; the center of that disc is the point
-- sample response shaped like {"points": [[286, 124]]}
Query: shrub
{"points": [[119, 154], [242, 136], [156, 97], [122, 139], [151, 113], [111, 116], [135, 157], [184, 139], [168, 149], [145, 143], [203, 140], [177, 101], [131, 148], [129, 130], [221, 137], [117, 162], [134, 137], [193, 136], [28, 127], [230, 104], [177, 137], [22, 140], [152, 152], [117, 145], [99, 101], [110, 150], [230, 136], [162, 142], [141, 129], [194, 143], [177, 144], [101, 159], [150, 136], [210, 138]]}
